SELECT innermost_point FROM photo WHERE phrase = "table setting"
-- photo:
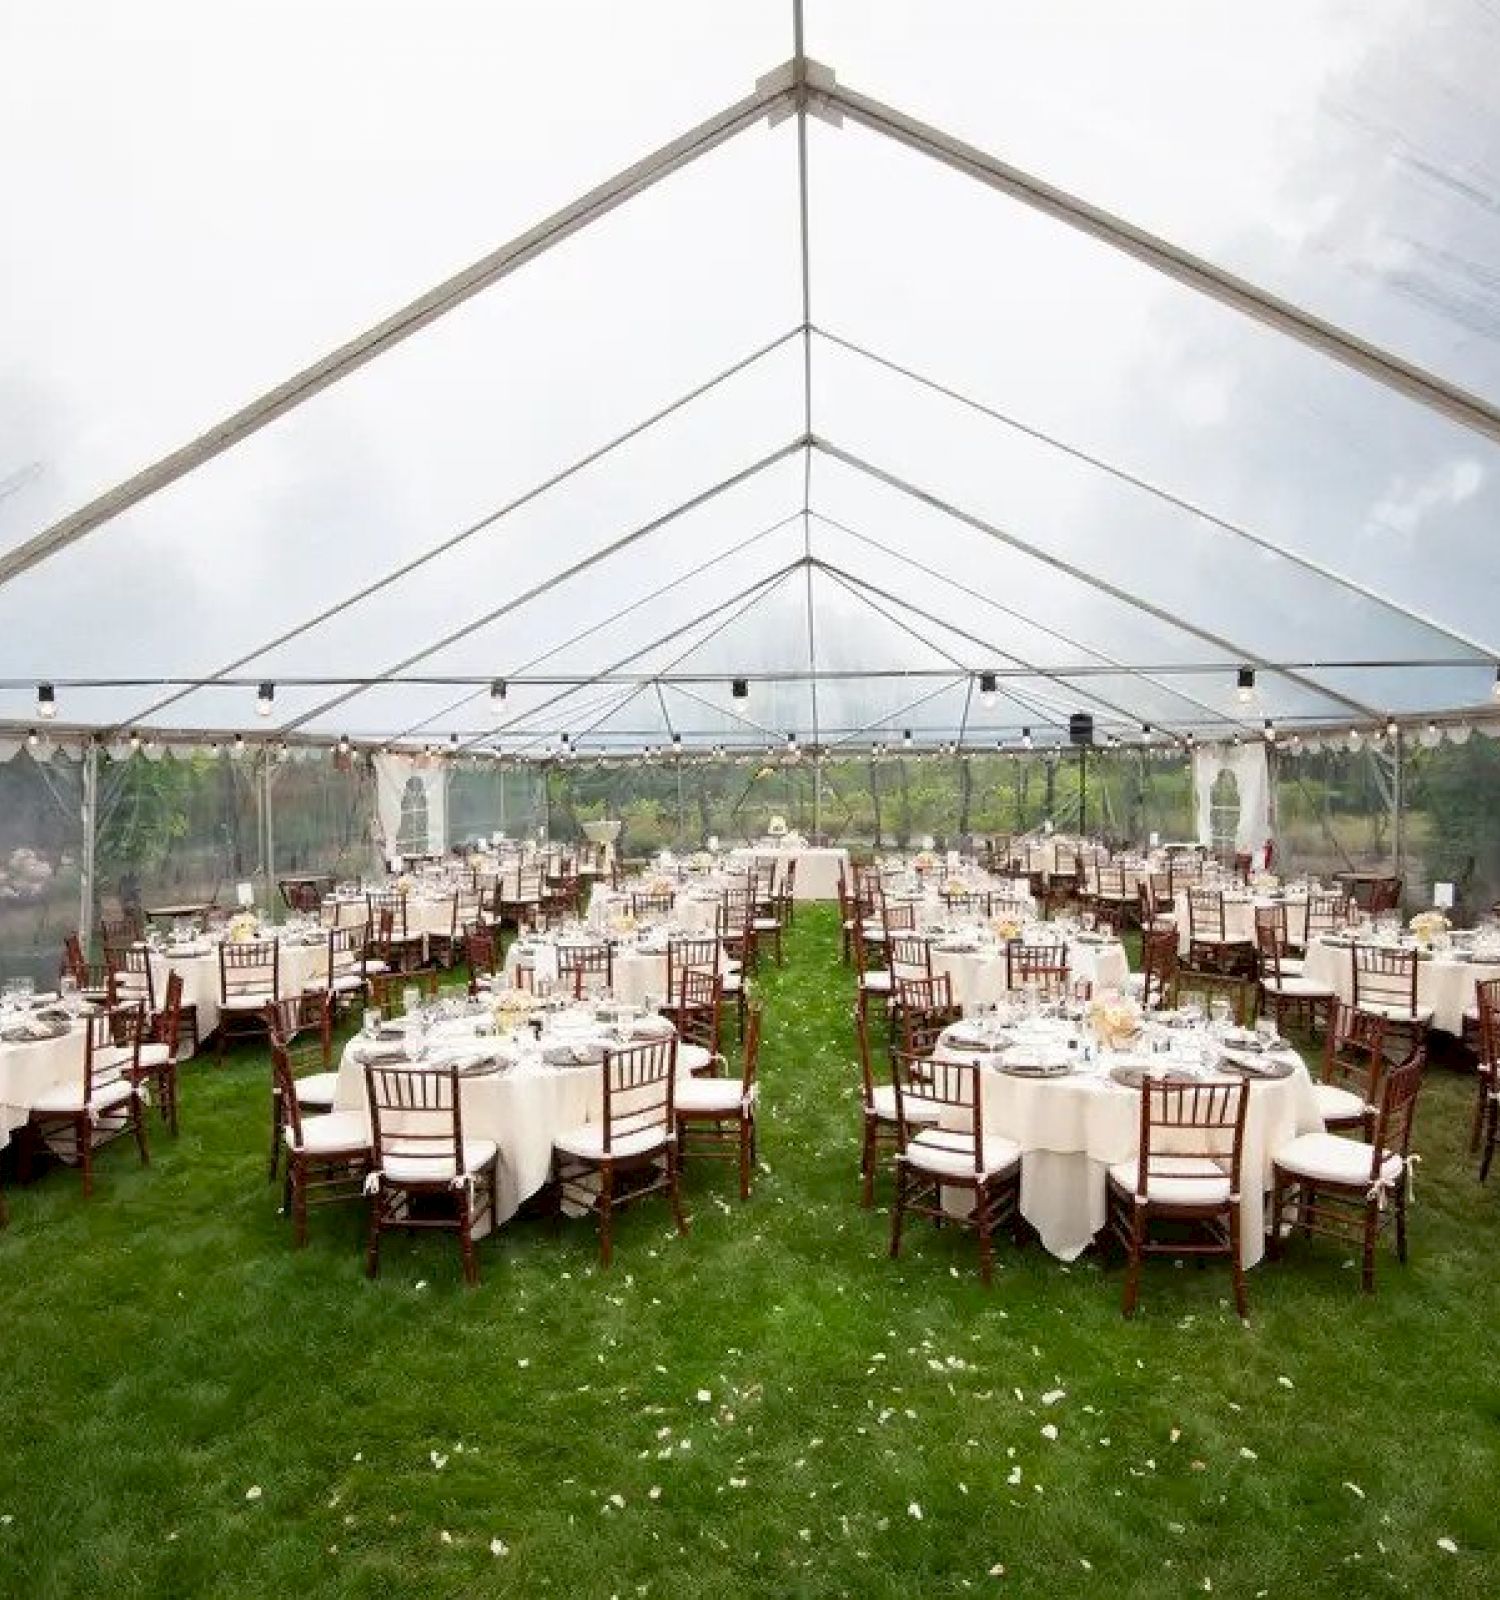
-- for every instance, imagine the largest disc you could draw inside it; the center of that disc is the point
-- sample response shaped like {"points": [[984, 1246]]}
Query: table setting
{"points": [[41, 1045], [1063, 1080], [529, 1067], [971, 952]]}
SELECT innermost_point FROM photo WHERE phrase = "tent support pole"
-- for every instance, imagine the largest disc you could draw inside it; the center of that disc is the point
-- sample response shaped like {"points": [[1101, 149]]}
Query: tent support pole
{"points": [[88, 818]]}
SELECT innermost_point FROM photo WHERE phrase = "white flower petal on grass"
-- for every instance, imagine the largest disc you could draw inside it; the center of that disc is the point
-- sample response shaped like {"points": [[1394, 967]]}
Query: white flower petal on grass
{"points": [[1248, 1454], [498, 1547], [705, 1396], [1049, 1430], [1052, 1396], [914, 1511], [1448, 1545], [654, 1493], [439, 1462], [1015, 1475], [446, 1537], [998, 1570], [1354, 1489], [253, 1492]]}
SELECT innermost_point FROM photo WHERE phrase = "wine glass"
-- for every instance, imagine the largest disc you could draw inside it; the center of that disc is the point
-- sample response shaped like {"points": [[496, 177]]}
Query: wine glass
{"points": [[67, 988]]}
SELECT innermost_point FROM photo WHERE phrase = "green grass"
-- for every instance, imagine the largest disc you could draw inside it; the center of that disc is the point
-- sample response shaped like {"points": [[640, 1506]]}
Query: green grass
{"points": [[163, 1350]]}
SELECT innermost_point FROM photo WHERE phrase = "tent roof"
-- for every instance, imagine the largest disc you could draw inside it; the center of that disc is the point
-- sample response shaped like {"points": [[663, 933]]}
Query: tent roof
{"points": [[379, 354]]}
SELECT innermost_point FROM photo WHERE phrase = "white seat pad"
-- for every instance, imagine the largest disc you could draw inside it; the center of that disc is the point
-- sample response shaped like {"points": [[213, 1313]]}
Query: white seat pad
{"points": [[729, 982], [247, 1002], [317, 1089], [1337, 1105], [435, 1168], [587, 1142], [767, 924], [1176, 1180], [1295, 988], [876, 982], [706, 1095], [65, 1097], [917, 1110], [376, 966], [1327, 1157], [338, 1131], [692, 1058], [348, 982], [1393, 1013], [950, 1154], [155, 1055]]}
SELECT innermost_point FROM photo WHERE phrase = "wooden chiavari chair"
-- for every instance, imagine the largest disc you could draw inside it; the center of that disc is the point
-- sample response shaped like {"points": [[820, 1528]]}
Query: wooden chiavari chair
{"points": [[93, 980], [1043, 967], [1486, 1123], [249, 981], [1341, 1188], [1158, 990], [716, 1115], [652, 903], [132, 981], [303, 1024], [105, 1095], [122, 931], [1187, 1171], [959, 1157], [636, 1135], [873, 984], [695, 1015], [344, 975], [1328, 913], [327, 1156], [1385, 986], [1354, 1063], [418, 1149], [482, 954], [848, 919], [160, 1045], [446, 948], [878, 1106], [924, 1008], [1209, 946], [586, 969], [388, 989], [1282, 986], [786, 894], [908, 955]]}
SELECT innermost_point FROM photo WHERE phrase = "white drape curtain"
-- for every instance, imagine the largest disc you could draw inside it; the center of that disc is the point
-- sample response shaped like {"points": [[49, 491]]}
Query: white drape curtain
{"points": [[392, 773], [1250, 766]]}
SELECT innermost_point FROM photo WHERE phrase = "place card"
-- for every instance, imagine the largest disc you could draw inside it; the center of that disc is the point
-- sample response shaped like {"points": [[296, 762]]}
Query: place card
{"points": [[1442, 896]]}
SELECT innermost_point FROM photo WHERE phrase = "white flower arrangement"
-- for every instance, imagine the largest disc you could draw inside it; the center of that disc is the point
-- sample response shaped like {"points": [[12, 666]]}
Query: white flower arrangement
{"points": [[243, 928], [1429, 925], [1115, 1020], [776, 828]]}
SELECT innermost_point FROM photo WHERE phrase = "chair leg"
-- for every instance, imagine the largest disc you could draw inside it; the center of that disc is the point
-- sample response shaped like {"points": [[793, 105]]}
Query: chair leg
{"points": [[606, 1215], [1476, 1126], [83, 1135], [466, 1234], [1132, 1294], [276, 1126], [372, 1254], [297, 1178], [867, 1165], [747, 1134], [674, 1186], [1275, 1247], [1490, 1139], [1401, 1193], [1237, 1267], [898, 1208], [1367, 1265], [983, 1222], [138, 1121]]}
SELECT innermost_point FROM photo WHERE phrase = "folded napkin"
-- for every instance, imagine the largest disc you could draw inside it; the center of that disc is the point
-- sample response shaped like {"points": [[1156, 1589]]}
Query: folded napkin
{"points": [[650, 1028], [583, 1054], [32, 1028], [374, 1055]]}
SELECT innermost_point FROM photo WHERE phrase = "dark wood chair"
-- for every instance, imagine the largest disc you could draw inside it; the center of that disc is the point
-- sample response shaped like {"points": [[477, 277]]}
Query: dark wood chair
{"points": [[1210, 949], [586, 969], [387, 989], [1186, 1175], [652, 903], [878, 1105], [161, 1049], [1486, 1124], [934, 1159], [688, 954], [249, 981], [1385, 986], [924, 1008], [303, 1026], [344, 975], [873, 985], [1043, 967], [420, 1160], [696, 1017], [1344, 1188], [1281, 986], [327, 1156], [482, 955], [1158, 986], [716, 1114], [1354, 1062], [104, 1097], [93, 980], [635, 1140]]}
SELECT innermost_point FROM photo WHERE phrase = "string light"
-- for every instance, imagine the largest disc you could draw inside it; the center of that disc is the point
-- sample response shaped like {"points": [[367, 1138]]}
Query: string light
{"points": [[1245, 685], [740, 688], [344, 746], [1025, 738], [497, 690], [237, 749], [33, 740], [906, 738], [1270, 731], [987, 688], [264, 698], [1392, 728], [46, 701]]}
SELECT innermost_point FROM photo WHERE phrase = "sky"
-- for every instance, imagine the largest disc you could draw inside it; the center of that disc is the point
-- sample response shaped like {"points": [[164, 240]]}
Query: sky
{"points": [[202, 200]]}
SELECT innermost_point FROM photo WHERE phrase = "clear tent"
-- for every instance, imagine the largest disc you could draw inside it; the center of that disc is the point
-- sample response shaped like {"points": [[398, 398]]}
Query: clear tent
{"points": [[837, 383]]}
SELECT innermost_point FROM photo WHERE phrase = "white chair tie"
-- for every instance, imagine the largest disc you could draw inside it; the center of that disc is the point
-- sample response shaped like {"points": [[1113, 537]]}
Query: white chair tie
{"points": [[372, 1180], [1383, 1186]]}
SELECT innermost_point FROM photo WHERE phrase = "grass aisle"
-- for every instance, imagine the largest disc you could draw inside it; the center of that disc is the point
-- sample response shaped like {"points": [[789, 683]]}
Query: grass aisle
{"points": [[768, 1407]]}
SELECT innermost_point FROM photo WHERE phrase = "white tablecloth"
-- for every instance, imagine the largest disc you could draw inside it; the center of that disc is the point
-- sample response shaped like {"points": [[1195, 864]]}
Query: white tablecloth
{"points": [[817, 868], [1239, 918], [978, 977], [28, 1070], [1072, 1130], [695, 906], [301, 967], [522, 1110], [639, 975], [1442, 983]]}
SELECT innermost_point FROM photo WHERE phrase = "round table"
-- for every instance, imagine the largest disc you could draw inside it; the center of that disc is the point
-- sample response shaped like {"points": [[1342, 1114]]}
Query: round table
{"points": [[1239, 918], [977, 975], [300, 967], [523, 1104], [1444, 981], [1072, 1129]]}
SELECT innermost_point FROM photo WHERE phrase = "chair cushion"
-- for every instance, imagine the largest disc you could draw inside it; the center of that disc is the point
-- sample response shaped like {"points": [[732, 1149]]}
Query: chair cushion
{"points": [[1394, 1013], [1338, 1105], [917, 1110], [948, 1154], [1326, 1157], [767, 924], [317, 1089], [338, 1131], [155, 1055], [876, 982], [729, 983], [400, 1170], [68, 1097], [1295, 988], [347, 983], [693, 1058], [587, 1143], [246, 1002], [1176, 1181], [711, 1095], [373, 965]]}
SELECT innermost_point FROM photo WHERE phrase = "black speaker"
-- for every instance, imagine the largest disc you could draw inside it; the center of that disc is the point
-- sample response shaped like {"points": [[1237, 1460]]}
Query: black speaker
{"points": [[1080, 728]]}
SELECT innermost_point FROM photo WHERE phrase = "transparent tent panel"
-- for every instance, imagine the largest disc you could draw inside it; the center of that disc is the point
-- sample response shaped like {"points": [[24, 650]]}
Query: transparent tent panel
{"points": [[245, 245], [442, 430], [41, 858], [1342, 157], [1021, 313]]}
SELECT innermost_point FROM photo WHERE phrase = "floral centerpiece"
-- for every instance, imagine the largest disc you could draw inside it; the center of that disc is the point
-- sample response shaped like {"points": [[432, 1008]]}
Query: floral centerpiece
{"points": [[621, 923], [702, 861], [776, 828], [1115, 1020], [1005, 928], [1265, 880], [1429, 926], [405, 883], [243, 928], [923, 861], [511, 1008]]}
